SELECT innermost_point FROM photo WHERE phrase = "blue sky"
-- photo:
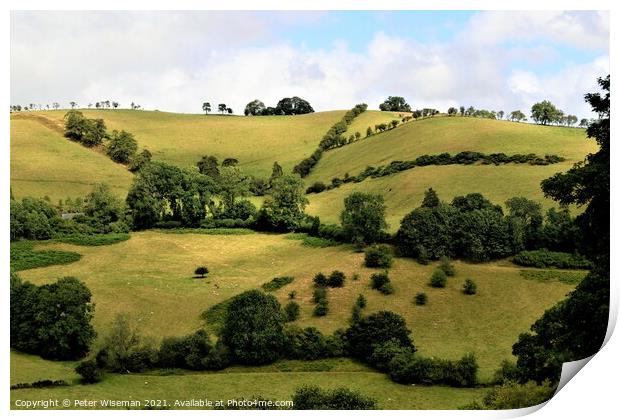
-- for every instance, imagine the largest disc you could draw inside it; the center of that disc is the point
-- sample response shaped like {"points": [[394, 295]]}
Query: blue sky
{"points": [[176, 60]]}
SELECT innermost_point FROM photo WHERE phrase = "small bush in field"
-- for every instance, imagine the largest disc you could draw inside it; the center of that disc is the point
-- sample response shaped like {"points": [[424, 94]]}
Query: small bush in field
{"points": [[445, 264], [421, 299], [469, 287], [439, 278]]}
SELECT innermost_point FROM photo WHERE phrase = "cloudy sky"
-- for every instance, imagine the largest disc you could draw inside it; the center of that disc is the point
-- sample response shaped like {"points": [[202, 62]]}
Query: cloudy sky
{"points": [[174, 61]]}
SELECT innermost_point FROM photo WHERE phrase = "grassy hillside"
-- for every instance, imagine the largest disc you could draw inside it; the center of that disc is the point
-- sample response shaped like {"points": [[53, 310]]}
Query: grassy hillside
{"points": [[404, 191], [44, 163], [256, 142], [150, 277], [369, 118]]}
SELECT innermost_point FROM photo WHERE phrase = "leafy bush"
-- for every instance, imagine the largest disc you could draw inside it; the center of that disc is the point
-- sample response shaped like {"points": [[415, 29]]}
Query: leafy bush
{"points": [[469, 287], [253, 329], [89, 371], [421, 299], [315, 398], [320, 280], [445, 264], [321, 308], [277, 283], [291, 311], [361, 301], [383, 353], [544, 259], [378, 280], [307, 344], [513, 395], [438, 279], [378, 256], [336, 279], [316, 187], [319, 294], [377, 328]]}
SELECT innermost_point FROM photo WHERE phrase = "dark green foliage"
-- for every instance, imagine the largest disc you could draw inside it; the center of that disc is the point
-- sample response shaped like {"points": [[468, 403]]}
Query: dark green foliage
{"points": [[208, 165], [89, 132], [284, 210], [253, 329], [512, 395], [104, 212], [25, 257], [545, 259], [193, 351], [383, 353], [438, 278], [121, 147], [277, 283], [336, 279], [44, 383], [428, 229], [310, 344], [395, 103], [469, 287], [292, 294], [315, 398], [241, 210], [33, 219], [291, 311], [361, 301], [124, 350], [140, 160], [320, 280], [572, 329], [379, 280], [52, 320], [293, 106], [363, 218], [320, 293], [431, 199], [421, 299], [89, 371], [463, 158], [407, 368], [377, 328], [445, 265], [94, 240], [316, 187], [321, 308], [201, 271], [378, 256], [507, 372]]}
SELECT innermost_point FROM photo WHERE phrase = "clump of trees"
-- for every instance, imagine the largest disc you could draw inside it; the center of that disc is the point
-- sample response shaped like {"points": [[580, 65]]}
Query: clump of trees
{"points": [[378, 256], [89, 132], [473, 228], [121, 147], [546, 113], [382, 283], [52, 320], [396, 104], [286, 106], [363, 218]]}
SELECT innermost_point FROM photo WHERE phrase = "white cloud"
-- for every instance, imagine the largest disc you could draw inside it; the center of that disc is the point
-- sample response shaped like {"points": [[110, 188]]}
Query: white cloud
{"points": [[174, 61]]}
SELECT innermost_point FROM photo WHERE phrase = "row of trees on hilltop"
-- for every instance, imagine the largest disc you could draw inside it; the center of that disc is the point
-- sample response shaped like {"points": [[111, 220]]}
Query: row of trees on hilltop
{"points": [[107, 104], [286, 106]]}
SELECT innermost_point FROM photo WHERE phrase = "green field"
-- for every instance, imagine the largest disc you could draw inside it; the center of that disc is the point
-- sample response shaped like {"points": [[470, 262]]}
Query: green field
{"points": [[150, 277], [44, 163], [404, 191], [182, 139]]}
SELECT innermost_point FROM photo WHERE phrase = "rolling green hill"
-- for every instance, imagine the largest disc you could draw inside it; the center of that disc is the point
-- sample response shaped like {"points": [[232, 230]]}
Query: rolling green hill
{"points": [[404, 191], [44, 163], [182, 139]]}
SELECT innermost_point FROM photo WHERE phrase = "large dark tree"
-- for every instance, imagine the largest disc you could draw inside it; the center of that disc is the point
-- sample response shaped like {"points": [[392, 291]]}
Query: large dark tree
{"points": [[293, 106], [254, 328], [255, 107], [363, 217], [375, 329], [575, 328]]}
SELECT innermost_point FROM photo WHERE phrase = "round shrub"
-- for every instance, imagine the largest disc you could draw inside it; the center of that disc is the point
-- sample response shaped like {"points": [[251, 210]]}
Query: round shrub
{"points": [[421, 299], [321, 308], [378, 256], [336, 279], [445, 264], [253, 328], [469, 287], [439, 278], [387, 288], [291, 311], [320, 280], [378, 280], [319, 294], [89, 371], [374, 329]]}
